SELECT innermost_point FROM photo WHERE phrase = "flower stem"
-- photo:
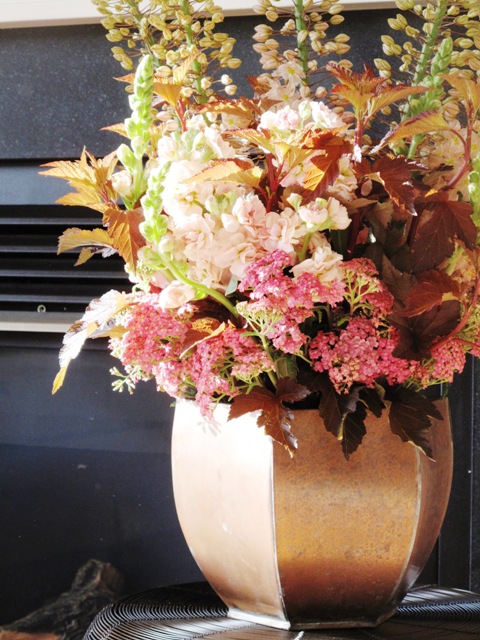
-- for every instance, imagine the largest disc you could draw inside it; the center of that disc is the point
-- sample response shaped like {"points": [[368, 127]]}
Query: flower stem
{"points": [[303, 251], [299, 13], [272, 376], [202, 289], [426, 56], [428, 49]]}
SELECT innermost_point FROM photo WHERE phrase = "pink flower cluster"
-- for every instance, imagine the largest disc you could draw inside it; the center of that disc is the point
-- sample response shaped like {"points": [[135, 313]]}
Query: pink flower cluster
{"points": [[359, 354], [364, 287], [448, 359], [282, 302], [155, 345], [218, 364], [152, 335], [353, 340]]}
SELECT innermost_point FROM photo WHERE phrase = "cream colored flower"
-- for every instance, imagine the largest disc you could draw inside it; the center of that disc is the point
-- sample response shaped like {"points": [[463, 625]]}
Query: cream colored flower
{"points": [[323, 263], [346, 183], [338, 214], [324, 117], [175, 295], [122, 183]]}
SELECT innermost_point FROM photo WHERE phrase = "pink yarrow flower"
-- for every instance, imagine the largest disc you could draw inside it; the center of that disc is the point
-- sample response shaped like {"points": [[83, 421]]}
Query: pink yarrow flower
{"points": [[153, 334], [220, 366], [280, 302], [359, 354]]}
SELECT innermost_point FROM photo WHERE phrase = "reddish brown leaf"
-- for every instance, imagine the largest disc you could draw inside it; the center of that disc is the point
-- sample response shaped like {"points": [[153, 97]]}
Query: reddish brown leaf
{"points": [[260, 140], [241, 107], [417, 125], [373, 399], [220, 169], [200, 330], [169, 92], [467, 89], [343, 415], [290, 391], [367, 92], [399, 283], [419, 332], [329, 407], [433, 288], [95, 323], [353, 430], [395, 174], [325, 169], [410, 415], [123, 229], [441, 222], [274, 417], [75, 238], [90, 177]]}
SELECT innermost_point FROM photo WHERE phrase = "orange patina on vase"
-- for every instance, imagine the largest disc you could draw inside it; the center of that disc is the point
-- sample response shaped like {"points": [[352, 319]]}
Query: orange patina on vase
{"points": [[315, 540]]}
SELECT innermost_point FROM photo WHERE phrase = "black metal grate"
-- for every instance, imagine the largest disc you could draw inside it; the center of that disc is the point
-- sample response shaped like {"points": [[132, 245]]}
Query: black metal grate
{"points": [[34, 278]]}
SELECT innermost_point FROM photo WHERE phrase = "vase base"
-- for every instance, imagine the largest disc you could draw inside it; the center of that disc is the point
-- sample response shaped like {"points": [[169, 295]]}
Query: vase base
{"points": [[306, 625]]}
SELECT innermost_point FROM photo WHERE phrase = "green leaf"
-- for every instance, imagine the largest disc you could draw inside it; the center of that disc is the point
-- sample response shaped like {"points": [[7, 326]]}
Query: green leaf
{"points": [[286, 367]]}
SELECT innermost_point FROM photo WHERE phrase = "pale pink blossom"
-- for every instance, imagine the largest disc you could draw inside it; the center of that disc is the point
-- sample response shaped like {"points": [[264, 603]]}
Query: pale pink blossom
{"points": [[338, 214], [346, 183], [324, 117], [122, 182], [286, 118], [181, 198], [283, 231], [175, 295], [324, 263]]}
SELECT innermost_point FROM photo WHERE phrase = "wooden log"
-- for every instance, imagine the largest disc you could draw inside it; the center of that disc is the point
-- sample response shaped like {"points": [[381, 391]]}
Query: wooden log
{"points": [[96, 585]]}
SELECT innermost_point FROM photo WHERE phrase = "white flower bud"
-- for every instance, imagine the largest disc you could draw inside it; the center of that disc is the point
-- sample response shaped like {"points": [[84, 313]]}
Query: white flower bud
{"points": [[122, 183]]}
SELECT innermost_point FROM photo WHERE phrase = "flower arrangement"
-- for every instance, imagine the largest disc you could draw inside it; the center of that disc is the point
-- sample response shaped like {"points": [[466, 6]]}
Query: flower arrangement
{"points": [[317, 243]]}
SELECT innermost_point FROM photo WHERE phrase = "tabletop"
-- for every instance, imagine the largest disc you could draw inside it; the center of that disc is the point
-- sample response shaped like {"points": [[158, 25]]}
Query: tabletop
{"points": [[183, 612]]}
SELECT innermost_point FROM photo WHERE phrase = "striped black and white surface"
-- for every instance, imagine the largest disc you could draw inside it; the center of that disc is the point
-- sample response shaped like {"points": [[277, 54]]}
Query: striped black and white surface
{"points": [[193, 611]]}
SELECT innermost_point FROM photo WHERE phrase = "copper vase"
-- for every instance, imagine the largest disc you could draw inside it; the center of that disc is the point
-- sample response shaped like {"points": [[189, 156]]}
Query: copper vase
{"points": [[315, 541]]}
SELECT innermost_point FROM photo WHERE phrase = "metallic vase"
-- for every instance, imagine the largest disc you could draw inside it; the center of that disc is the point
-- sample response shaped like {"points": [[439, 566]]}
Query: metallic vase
{"points": [[313, 541]]}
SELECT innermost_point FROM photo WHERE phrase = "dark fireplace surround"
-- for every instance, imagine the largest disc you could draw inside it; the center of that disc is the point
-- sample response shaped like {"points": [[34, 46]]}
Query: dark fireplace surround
{"points": [[86, 473]]}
